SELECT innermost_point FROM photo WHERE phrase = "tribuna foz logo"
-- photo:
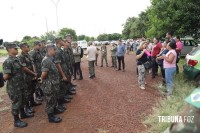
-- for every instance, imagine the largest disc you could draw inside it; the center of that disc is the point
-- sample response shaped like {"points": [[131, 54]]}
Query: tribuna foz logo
{"points": [[176, 119]]}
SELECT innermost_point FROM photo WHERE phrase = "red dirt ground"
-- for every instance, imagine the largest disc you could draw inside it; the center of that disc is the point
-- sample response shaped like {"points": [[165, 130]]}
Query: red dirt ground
{"points": [[110, 103]]}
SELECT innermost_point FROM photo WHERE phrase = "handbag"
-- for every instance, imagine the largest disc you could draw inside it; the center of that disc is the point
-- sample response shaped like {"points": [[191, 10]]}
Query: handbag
{"points": [[148, 64]]}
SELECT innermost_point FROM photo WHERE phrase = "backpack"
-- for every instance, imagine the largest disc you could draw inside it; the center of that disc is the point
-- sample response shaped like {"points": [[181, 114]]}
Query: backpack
{"points": [[82, 52]]}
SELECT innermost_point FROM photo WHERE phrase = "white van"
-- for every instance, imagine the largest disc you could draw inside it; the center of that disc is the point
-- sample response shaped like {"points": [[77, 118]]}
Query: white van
{"points": [[83, 44]]}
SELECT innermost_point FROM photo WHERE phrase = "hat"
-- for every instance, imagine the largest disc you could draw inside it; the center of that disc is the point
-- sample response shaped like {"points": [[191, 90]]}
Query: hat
{"points": [[194, 98], [23, 44], [36, 43], [11, 45], [50, 46], [43, 41]]}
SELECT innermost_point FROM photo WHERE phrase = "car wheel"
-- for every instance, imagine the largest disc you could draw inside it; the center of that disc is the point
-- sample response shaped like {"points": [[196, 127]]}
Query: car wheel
{"points": [[197, 81]]}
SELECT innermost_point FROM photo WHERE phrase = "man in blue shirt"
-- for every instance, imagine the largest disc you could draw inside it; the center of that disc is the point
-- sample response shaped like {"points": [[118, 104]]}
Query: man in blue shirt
{"points": [[120, 55]]}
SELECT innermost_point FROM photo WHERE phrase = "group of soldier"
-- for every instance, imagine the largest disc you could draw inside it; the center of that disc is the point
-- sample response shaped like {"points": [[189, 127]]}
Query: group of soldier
{"points": [[44, 71]]}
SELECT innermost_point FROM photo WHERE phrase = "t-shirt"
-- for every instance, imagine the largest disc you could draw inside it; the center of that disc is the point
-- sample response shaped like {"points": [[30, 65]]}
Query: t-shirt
{"points": [[179, 45], [165, 51], [143, 59], [91, 52], [156, 49]]}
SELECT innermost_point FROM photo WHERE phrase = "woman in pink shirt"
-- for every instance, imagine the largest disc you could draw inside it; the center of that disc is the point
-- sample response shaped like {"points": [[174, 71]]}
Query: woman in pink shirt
{"points": [[169, 65]]}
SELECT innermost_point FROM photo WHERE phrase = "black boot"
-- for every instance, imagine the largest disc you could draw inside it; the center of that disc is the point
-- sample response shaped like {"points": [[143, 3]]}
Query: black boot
{"points": [[61, 105], [66, 100], [18, 122], [24, 114], [67, 96], [58, 111], [28, 109], [53, 118]]}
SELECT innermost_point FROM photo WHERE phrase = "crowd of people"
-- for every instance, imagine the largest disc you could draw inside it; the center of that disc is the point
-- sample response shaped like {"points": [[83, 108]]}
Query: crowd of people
{"points": [[46, 72], [164, 55]]}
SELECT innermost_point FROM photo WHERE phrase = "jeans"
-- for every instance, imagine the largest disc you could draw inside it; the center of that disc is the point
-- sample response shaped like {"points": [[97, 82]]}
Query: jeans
{"points": [[77, 67], [121, 60], [169, 78], [155, 67]]}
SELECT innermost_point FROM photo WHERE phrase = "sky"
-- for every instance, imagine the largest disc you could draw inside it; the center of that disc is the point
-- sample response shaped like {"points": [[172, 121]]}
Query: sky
{"points": [[88, 17]]}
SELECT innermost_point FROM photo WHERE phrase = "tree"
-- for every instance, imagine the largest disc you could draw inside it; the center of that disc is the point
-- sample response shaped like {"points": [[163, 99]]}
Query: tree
{"points": [[81, 37], [102, 37], [49, 36], [64, 31]]}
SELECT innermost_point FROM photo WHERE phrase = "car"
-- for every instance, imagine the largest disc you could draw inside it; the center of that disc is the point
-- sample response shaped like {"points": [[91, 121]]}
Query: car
{"points": [[83, 44], [188, 45], [191, 68]]}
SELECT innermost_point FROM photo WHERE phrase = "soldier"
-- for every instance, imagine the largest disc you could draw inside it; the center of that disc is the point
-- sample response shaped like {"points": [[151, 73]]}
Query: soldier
{"points": [[16, 87], [50, 83], [190, 116], [63, 70], [104, 55], [113, 51], [29, 76], [37, 59], [43, 49], [71, 89]]}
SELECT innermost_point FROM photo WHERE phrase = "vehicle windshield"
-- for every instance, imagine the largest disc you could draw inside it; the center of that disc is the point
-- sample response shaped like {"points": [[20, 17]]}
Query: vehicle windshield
{"points": [[195, 51]]}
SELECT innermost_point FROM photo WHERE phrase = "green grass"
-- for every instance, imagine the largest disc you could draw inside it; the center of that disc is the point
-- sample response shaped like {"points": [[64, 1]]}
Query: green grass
{"points": [[3, 52], [169, 106]]}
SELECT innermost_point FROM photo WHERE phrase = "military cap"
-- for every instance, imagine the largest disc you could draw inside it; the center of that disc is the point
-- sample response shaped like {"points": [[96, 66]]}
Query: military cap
{"points": [[43, 41], [11, 45], [194, 98], [50, 46], [36, 43], [58, 38], [23, 44]]}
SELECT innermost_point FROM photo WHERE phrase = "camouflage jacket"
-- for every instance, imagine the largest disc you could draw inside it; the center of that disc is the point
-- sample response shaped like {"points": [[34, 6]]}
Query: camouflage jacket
{"points": [[104, 50], [60, 58], [13, 67], [72, 61], [36, 56], [113, 51], [190, 124], [67, 57], [43, 52], [26, 61]]}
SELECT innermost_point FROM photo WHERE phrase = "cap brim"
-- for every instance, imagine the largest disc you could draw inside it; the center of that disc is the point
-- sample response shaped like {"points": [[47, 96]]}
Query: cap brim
{"points": [[194, 98]]}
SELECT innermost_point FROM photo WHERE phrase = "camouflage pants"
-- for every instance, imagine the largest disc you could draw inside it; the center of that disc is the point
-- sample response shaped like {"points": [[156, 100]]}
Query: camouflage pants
{"points": [[96, 59], [91, 68], [114, 61], [141, 75], [18, 98], [62, 90], [50, 91], [104, 57]]}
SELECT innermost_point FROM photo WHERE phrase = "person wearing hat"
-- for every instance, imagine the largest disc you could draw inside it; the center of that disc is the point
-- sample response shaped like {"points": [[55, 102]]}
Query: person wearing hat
{"points": [[16, 86], [104, 55], [77, 57], [43, 49], [190, 116], [91, 55], [30, 75], [50, 83], [63, 71], [113, 51], [37, 59]]}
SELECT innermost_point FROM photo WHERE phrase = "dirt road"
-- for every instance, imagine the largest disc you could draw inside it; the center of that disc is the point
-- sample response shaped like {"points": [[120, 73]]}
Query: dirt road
{"points": [[110, 103]]}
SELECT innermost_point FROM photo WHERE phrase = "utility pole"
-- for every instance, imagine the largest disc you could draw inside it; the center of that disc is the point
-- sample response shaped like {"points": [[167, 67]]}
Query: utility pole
{"points": [[56, 6]]}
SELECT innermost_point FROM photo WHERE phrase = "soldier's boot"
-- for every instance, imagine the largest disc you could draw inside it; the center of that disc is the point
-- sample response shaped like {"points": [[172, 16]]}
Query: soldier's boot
{"points": [[24, 114], [71, 91], [66, 99], [67, 96], [53, 118], [33, 103], [29, 109], [58, 111], [38, 95], [61, 105], [18, 122]]}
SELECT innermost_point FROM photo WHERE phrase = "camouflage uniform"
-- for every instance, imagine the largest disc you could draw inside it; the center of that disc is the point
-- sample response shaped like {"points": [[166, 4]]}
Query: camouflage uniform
{"points": [[43, 52], [26, 61], [60, 58], [37, 59], [50, 86], [69, 59], [16, 87], [192, 109], [104, 55], [113, 51]]}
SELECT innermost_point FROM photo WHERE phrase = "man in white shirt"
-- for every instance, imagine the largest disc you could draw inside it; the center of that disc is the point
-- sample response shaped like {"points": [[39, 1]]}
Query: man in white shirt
{"points": [[91, 55]]}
